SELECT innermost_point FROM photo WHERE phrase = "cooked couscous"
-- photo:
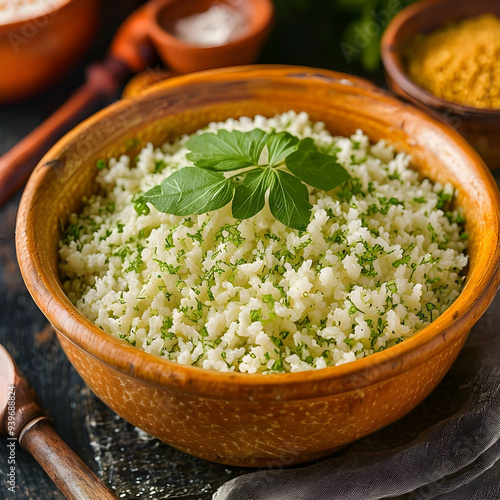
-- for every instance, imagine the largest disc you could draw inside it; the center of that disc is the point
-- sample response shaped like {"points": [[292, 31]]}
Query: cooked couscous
{"points": [[381, 258]]}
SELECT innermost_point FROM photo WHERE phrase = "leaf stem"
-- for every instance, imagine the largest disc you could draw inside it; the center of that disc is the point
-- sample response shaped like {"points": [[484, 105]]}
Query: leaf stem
{"points": [[245, 172]]}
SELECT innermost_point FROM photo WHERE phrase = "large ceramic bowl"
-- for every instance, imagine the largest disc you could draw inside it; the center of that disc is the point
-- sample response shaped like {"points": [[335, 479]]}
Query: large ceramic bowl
{"points": [[242, 419]]}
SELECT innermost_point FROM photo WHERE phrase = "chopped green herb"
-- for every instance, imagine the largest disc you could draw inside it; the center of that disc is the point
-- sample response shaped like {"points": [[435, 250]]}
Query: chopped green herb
{"points": [[256, 315], [101, 164], [278, 366], [277, 342], [230, 234], [169, 241], [169, 268], [443, 199], [404, 260], [165, 333], [159, 166]]}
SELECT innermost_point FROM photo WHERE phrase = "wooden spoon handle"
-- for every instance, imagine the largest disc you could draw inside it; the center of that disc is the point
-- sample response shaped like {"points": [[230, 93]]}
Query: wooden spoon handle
{"points": [[103, 81], [63, 466]]}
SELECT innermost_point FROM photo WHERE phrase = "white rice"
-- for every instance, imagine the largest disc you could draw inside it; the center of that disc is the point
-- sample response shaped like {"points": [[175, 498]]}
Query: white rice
{"points": [[378, 262]]}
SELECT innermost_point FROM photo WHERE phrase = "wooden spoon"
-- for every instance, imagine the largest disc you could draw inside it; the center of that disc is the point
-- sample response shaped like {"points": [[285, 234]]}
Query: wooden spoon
{"points": [[23, 420]]}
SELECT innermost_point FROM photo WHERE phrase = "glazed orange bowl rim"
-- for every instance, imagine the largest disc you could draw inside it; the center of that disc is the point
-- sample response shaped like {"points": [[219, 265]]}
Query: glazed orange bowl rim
{"points": [[391, 52], [116, 353]]}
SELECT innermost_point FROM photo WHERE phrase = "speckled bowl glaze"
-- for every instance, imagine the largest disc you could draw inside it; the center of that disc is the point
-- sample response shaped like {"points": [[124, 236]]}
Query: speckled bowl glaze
{"points": [[241, 419]]}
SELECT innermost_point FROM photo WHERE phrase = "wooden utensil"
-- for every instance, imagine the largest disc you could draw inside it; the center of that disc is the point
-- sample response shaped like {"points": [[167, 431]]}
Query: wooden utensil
{"points": [[132, 50], [21, 418]]}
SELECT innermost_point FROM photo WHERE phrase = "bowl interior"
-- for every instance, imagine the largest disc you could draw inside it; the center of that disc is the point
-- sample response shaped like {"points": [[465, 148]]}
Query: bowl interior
{"points": [[183, 105]]}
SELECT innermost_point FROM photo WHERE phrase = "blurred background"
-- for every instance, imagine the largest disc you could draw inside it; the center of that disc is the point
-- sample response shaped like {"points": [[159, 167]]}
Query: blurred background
{"points": [[341, 35]]}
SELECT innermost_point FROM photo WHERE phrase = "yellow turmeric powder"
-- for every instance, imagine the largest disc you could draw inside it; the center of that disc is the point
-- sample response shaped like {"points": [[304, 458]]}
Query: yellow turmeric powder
{"points": [[460, 62]]}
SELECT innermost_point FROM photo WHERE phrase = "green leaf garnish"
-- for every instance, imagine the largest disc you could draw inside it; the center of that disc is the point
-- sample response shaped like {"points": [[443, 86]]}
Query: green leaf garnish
{"points": [[279, 146], [225, 150], [316, 169], [250, 194], [289, 201], [191, 190], [207, 186]]}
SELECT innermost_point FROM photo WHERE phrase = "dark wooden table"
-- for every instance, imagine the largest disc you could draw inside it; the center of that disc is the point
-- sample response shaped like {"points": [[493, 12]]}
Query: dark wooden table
{"points": [[136, 465]]}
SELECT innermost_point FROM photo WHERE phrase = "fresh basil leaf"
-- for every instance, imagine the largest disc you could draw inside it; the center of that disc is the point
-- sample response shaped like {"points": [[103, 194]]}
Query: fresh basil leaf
{"points": [[307, 144], [191, 190], [226, 150], [204, 188], [316, 169], [250, 195], [280, 145], [289, 201]]}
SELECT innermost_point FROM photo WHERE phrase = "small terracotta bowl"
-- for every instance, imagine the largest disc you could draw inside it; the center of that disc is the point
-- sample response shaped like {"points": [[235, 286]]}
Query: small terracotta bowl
{"points": [[184, 57], [481, 127], [151, 27], [37, 52], [242, 419]]}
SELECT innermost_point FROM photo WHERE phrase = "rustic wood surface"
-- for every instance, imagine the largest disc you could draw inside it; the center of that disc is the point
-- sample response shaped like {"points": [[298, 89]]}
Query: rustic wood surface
{"points": [[134, 464]]}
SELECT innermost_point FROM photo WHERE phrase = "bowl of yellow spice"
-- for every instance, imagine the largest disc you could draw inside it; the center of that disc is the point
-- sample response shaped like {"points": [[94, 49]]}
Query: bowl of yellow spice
{"points": [[444, 57]]}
